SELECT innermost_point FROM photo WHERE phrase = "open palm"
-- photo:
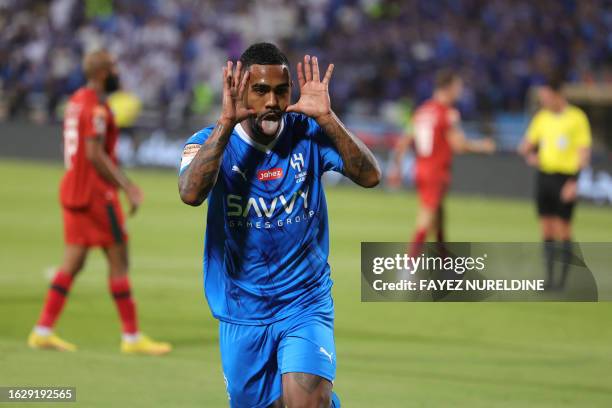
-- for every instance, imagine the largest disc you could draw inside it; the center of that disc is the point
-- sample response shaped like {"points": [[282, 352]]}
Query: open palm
{"points": [[314, 93], [234, 86]]}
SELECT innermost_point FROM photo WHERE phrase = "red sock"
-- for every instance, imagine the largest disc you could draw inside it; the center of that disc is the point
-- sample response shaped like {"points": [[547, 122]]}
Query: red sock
{"points": [[417, 242], [120, 289], [56, 297]]}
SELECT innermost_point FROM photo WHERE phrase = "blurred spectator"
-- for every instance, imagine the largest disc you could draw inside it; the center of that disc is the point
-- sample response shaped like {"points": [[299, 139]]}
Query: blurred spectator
{"points": [[171, 52]]}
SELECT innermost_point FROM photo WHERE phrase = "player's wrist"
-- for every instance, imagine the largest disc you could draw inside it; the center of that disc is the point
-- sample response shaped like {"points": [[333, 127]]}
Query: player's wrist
{"points": [[325, 118], [227, 120]]}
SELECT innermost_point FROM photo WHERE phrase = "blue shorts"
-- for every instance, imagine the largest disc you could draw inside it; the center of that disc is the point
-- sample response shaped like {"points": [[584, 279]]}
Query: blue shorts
{"points": [[255, 357]]}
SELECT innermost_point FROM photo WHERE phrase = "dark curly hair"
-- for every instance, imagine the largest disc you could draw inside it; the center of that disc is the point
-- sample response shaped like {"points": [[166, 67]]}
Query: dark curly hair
{"points": [[263, 54]]}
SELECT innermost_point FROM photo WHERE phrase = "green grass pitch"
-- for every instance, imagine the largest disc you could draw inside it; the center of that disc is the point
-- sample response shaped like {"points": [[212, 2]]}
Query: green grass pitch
{"points": [[389, 355]]}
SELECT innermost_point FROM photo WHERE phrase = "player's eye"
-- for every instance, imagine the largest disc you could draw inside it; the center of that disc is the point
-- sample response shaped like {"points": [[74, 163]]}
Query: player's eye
{"points": [[282, 90], [260, 90]]}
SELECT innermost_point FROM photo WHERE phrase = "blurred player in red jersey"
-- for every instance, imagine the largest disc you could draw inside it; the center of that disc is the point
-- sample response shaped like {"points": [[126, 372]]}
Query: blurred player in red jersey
{"points": [[436, 135], [91, 210]]}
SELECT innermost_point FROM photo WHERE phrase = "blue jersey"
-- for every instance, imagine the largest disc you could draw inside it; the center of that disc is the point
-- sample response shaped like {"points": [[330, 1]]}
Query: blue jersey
{"points": [[267, 238]]}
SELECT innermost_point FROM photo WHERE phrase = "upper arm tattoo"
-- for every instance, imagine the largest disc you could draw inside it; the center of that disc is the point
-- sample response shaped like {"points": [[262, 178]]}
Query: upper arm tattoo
{"points": [[308, 382], [359, 162]]}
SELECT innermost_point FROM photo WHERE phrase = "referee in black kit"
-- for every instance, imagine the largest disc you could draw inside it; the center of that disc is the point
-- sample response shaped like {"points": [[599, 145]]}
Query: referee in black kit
{"points": [[558, 143]]}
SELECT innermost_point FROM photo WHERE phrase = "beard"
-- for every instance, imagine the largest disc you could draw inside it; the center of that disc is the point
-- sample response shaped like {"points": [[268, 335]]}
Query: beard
{"points": [[111, 83]]}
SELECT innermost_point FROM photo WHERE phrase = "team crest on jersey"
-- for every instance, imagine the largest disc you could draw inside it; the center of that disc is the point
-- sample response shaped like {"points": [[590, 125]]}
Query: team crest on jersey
{"points": [[297, 163]]}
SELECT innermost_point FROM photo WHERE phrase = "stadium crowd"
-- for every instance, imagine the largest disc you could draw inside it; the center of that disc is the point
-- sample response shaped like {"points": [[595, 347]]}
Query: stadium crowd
{"points": [[171, 52]]}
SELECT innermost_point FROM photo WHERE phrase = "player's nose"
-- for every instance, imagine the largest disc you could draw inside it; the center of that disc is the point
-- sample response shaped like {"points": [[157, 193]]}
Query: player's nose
{"points": [[272, 101]]}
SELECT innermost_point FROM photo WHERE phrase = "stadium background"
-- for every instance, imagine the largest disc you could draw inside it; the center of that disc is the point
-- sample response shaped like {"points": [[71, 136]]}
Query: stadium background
{"points": [[390, 355]]}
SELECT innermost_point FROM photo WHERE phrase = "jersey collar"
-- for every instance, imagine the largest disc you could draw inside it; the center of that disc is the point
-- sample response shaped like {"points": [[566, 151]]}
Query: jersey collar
{"points": [[261, 147]]}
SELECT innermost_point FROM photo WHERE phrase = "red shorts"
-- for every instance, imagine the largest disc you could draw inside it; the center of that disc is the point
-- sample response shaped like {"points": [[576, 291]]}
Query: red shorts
{"points": [[101, 224], [432, 190]]}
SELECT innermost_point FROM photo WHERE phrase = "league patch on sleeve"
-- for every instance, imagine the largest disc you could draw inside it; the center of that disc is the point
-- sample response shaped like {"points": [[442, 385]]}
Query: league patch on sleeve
{"points": [[188, 154], [99, 120]]}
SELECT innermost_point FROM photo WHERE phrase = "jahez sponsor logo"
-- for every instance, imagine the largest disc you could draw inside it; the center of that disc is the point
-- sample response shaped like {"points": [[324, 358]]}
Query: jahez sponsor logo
{"points": [[272, 174]]}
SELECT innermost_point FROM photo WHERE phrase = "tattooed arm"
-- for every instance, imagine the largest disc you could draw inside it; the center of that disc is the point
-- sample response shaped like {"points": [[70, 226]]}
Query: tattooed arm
{"points": [[360, 165], [200, 175], [306, 390], [359, 162]]}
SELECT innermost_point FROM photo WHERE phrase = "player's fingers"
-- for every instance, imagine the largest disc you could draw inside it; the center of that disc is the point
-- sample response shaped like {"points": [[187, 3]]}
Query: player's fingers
{"points": [[315, 69], [292, 108], [224, 77], [230, 64], [307, 68], [237, 75], [243, 83], [328, 74], [300, 74], [227, 86], [227, 82]]}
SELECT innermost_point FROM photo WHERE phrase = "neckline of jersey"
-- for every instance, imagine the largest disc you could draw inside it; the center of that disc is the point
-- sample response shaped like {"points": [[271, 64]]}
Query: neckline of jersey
{"points": [[267, 149]]}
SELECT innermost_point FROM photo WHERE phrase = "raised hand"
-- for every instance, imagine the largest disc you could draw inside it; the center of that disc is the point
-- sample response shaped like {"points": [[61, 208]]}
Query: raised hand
{"points": [[234, 86], [314, 93]]}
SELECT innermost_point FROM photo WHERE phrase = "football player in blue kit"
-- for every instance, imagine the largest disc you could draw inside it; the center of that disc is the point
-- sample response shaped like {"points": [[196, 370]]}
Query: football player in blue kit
{"points": [[266, 275]]}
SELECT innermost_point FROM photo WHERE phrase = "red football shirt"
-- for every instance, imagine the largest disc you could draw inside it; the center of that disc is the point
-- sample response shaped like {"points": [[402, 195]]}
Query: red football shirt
{"points": [[434, 154], [85, 117]]}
